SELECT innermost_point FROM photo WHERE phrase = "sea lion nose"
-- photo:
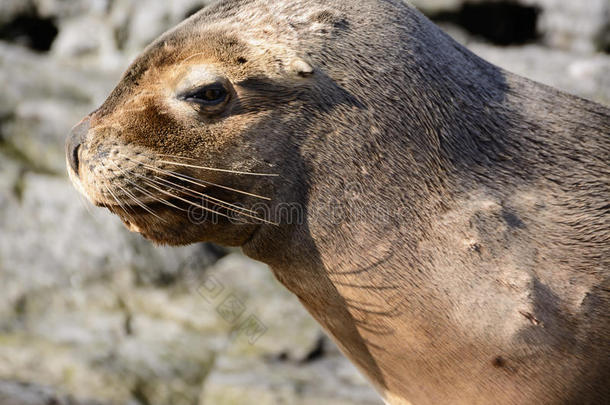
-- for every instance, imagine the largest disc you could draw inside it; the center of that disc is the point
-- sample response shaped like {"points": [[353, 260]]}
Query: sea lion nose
{"points": [[74, 142]]}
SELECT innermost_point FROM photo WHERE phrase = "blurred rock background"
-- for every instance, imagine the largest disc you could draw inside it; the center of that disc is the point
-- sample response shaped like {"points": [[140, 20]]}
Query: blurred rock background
{"points": [[91, 314]]}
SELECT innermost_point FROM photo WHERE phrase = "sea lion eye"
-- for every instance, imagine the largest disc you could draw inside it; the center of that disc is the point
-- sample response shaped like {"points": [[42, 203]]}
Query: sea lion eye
{"points": [[210, 95]]}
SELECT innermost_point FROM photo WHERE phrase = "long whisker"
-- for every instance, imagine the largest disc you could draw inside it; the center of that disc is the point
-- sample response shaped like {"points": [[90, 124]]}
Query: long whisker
{"points": [[187, 201], [200, 194], [143, 190], [163, 182], [212, 168], [225, 205], [192, 180], [133, 197], [160, 199], [151, 184], [140, 203], [118, 201]]}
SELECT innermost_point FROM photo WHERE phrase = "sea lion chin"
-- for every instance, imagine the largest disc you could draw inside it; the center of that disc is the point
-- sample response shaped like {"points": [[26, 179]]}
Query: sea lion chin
{"points": [[444, 220]]}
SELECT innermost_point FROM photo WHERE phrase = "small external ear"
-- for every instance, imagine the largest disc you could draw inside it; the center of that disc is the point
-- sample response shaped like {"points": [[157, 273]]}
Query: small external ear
{"points": [[301, 68]]}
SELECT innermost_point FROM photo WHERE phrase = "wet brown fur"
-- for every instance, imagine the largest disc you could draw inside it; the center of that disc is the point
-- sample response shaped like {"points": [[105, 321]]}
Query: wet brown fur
{"points": [[453, 235]]}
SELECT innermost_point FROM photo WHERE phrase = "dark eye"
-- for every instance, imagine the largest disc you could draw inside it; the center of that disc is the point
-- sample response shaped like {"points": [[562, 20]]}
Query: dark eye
{"points": [[210, 95]]}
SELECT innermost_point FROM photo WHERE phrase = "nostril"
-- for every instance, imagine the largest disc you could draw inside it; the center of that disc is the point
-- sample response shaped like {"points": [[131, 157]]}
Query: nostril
{"points": [[73, 143], [75, 160]]}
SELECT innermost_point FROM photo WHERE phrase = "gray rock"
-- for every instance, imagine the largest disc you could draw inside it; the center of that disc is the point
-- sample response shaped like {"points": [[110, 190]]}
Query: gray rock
{"points": [[92, 311], [69, 8], [116, 340], [573, 25], [10, 8], [15, 393], [583, 75], [286, 335], [331, 381], [41, 100], [564, 24], [90, 36], [51, 239]]}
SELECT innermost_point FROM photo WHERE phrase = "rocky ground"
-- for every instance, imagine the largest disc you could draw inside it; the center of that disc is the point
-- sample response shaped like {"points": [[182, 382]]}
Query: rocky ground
{"points": [[91, 314]]}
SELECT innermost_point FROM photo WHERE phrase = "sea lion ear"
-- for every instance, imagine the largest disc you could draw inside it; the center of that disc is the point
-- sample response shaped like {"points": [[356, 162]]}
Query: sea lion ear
{"points": [[301, 68]]}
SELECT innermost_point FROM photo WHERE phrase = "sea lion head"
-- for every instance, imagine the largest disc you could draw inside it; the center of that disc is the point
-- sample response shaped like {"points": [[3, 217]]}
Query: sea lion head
{"points": [[251, 113], [189, 146]]}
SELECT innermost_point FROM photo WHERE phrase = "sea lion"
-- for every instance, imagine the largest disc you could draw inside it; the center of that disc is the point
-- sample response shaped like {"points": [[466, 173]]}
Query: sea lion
{"points": [[444, 220]]}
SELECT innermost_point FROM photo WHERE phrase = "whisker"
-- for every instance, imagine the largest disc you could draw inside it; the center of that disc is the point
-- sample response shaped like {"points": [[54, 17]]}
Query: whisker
{"points": [[120, 204], [157, 198], [201, 194], [187, 201], [160, 190], [212, 168], [143, 190], [193, 180], [133, 197], [237, 210], [140, 203]]}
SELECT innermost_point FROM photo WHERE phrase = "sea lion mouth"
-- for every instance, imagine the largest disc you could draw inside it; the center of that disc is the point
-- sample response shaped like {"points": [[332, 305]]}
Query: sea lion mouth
{"points": [[175, 220], [136, 209], [197, 208]]}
